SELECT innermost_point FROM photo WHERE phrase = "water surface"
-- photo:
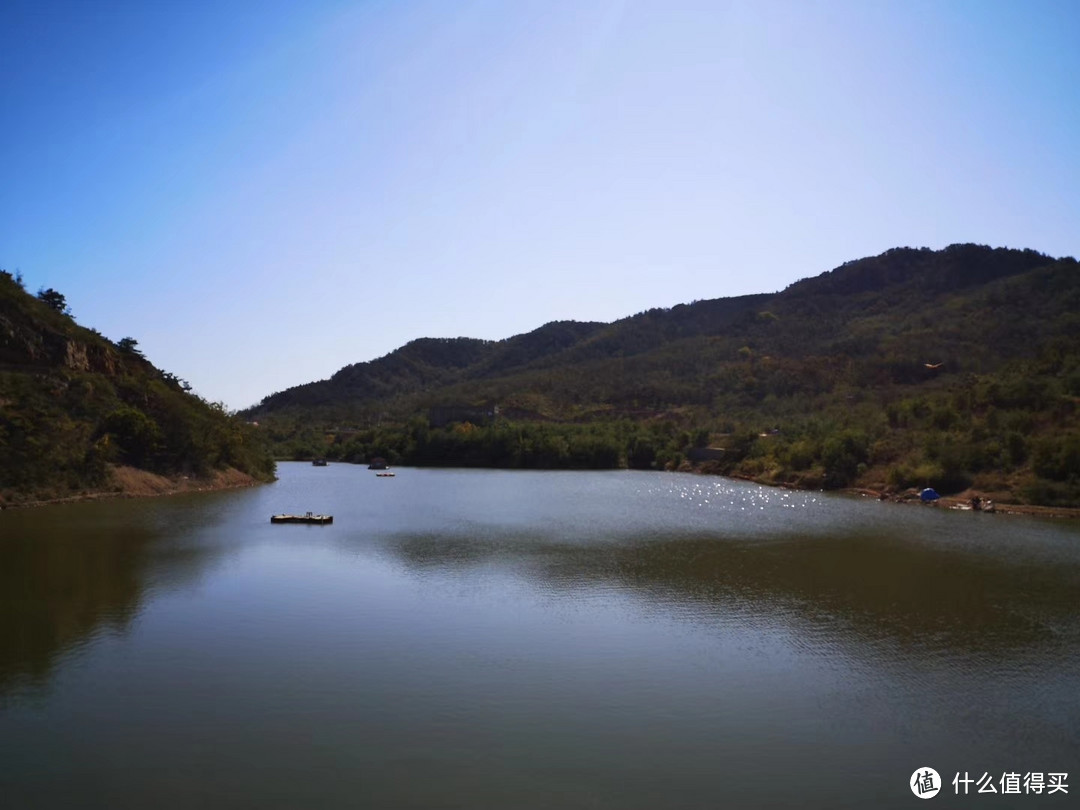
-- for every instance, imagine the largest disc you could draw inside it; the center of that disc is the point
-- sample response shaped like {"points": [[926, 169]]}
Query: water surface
{"points": [[521, 639]]}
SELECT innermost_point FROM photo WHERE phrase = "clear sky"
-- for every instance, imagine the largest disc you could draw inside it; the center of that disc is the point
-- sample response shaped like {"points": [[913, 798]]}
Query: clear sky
{"points": [[262, 191]]}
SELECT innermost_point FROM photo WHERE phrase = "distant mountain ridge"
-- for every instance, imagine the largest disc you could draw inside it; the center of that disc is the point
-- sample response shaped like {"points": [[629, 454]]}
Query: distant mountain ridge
{"points": [[901, 279], [955, 367]]}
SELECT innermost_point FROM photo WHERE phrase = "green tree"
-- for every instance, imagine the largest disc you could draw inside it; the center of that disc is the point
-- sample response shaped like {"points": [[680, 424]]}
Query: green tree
{"points": [[841, 456], [642, 453], [138, 436], [129, 345], [55, 300]]}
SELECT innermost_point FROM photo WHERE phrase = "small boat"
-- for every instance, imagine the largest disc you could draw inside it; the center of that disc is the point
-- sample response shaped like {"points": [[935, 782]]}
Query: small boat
{"points": [[307, 517], [319, 462], [384, 475]]}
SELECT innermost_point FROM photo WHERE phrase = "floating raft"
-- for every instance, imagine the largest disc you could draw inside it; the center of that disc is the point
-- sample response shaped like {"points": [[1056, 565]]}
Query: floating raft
{"points": [[307, 518]]}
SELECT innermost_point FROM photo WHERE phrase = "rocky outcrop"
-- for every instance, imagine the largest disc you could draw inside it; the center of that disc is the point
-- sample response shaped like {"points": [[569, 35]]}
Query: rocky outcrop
{"points": [[76, 356]]}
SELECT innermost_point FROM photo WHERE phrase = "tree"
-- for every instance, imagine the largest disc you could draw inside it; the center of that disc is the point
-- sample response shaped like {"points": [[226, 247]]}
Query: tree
{"points": [[54, 300], [129, 345], [138, 435]]}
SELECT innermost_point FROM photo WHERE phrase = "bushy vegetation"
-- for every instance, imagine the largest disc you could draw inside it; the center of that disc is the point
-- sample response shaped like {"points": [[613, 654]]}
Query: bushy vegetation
{"points": [[504, 443], [72, 404]]}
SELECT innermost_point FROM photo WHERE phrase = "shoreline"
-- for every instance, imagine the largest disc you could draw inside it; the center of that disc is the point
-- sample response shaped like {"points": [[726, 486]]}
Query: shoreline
{"points": [[962, 503], [131, 482]]}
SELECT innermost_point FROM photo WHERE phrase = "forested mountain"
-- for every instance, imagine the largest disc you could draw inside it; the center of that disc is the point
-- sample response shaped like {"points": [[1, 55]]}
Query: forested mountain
{"points": [[428, 363], [74, 406], [953, 368]]}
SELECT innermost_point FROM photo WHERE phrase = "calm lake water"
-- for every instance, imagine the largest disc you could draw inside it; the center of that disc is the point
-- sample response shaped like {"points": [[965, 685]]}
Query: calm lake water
{"points": [[492, 639]]}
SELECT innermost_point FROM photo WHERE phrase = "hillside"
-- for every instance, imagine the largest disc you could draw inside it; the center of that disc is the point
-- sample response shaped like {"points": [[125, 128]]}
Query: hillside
{"points": [[954, 368], [75, 407]]}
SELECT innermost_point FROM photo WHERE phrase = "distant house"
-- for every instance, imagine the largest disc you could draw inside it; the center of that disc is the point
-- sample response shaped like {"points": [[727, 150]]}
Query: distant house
{"points": [[377, 463]]}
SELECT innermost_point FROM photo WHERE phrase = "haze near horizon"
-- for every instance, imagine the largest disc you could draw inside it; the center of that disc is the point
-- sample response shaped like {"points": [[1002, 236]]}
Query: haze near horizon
{"points": [[263, 193]]}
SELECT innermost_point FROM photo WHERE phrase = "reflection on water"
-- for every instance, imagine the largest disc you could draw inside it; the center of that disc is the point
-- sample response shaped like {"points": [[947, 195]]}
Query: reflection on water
{"points": [[69, 574], [494, 639], [872, 588]]}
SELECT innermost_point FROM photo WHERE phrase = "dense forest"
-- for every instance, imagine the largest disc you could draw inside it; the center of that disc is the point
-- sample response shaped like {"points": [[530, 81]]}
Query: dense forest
{"points": [[74, 406], [957, 369]]}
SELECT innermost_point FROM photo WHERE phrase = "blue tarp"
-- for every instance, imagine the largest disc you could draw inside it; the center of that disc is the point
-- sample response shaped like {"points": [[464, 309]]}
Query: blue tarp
{"points": [[929, 494]]}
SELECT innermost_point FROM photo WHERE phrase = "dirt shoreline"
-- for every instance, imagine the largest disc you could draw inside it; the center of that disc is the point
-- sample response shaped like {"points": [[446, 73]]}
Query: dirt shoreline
{"points": [[959, 502], [962, 503], [130, 482]]}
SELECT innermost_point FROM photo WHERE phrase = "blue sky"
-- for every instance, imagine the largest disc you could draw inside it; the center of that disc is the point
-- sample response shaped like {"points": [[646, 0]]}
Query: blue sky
{"points": [[263, 192]]}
